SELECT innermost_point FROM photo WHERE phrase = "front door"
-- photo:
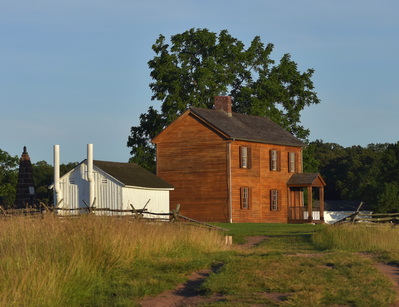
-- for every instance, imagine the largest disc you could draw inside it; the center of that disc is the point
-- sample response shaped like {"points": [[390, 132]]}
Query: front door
{"points": [[296, 207]]}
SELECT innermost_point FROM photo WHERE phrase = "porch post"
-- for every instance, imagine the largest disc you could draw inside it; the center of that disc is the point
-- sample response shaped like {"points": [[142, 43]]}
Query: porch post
{"points": [[310, 205], [321, 197], [289, 205]]}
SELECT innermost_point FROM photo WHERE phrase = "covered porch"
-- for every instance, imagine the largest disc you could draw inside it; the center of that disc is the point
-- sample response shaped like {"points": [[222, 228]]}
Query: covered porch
{"points": [[304, 191]]}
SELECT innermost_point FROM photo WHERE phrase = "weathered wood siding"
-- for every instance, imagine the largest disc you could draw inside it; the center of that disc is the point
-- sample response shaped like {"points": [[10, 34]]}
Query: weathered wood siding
{"points": [[193, 159], [261, 180]]}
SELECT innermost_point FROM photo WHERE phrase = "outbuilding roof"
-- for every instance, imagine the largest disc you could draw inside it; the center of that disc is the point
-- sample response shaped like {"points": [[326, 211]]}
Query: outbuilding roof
{"points": [[247, 127], [132, 174]]}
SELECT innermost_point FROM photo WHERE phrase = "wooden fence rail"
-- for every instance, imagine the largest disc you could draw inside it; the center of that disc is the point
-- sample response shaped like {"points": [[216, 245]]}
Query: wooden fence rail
{"points": [[42, 209], [356, 217]]}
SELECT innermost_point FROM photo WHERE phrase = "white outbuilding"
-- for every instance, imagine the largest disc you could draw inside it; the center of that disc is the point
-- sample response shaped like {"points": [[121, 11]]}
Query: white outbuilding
{"points": [[336, 210], [109, 185]]}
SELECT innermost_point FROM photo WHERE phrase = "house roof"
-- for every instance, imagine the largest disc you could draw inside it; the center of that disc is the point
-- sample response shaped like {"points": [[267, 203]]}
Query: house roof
{"points": [[132, 174], [306, 179], [247, 127]]}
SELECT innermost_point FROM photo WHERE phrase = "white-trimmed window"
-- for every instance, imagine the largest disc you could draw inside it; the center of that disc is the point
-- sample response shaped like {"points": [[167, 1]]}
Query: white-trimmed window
{"points": [[245, 157], [292, 162], [274, 200], [274, 160]]}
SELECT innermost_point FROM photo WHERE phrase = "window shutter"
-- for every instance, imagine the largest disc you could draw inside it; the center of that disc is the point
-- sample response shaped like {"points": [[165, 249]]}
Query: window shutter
{"points": [[279, 161], [249, 198], [249, 157]]}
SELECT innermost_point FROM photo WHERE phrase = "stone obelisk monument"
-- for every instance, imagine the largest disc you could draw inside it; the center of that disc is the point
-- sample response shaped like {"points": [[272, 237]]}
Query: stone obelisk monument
{"points": [[25, 187]]}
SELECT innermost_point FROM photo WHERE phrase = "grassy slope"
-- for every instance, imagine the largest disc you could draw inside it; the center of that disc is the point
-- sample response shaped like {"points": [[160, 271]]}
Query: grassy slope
{"points": [[115, 262], [288, 263]]}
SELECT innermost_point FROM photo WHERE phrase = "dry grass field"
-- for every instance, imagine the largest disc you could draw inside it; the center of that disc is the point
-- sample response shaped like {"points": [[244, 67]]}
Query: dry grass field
{"points": [[103, 261]]}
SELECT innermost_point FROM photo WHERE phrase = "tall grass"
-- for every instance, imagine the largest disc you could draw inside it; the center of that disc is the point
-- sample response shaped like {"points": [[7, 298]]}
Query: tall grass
{"points": [[93, 260], [357, 238]]}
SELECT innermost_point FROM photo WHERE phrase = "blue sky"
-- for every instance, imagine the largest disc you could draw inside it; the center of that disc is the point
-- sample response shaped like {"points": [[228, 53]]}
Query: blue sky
{"points": [[75, 72]]}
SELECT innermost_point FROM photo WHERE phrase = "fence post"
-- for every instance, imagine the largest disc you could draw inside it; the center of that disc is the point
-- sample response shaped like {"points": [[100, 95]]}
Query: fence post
{"points": [[356, 213], [175, 213], [2, 210], [136, 214], [88, 207]]}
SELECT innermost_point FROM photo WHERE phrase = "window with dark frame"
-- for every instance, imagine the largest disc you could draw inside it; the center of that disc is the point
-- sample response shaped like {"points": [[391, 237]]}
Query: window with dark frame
{"points": [[245, 198], [291, 162], [274, 205]]}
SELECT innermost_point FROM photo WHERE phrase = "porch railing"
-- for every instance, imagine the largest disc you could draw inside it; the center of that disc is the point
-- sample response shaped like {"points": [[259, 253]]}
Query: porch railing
{"points": [[301, 213]]}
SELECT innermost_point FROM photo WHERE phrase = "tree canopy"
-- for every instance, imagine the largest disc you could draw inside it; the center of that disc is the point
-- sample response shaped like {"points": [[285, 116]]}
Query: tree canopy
{"points": [[8, 177], [43, 175], [369, 174], [198, 65]]}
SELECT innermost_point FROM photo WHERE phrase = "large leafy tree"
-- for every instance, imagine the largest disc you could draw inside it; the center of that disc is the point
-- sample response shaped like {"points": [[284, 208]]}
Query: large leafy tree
{"points": [[8, 177], [198, 65], [388, 196]]}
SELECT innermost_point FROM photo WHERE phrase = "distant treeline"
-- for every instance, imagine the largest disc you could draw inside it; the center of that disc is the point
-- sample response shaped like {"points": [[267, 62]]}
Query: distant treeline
{"points": [[369, 174]]}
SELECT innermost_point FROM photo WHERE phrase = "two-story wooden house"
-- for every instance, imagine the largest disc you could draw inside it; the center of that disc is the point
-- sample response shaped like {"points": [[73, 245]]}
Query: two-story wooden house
{"points": [[231, 167]]}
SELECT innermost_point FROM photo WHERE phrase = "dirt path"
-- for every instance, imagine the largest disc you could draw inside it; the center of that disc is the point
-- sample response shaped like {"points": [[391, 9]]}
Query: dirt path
{"points": [[188, 294], [392, 272], [253, 241]]}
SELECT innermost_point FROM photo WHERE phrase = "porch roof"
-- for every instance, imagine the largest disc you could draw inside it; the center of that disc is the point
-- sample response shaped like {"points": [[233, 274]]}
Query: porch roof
{"points": [[306, 180]]}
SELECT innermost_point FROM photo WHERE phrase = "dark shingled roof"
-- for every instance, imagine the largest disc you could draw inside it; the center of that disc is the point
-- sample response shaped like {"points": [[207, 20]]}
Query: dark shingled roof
{"points": [[303, 179], [132, 174], [247, 127]]}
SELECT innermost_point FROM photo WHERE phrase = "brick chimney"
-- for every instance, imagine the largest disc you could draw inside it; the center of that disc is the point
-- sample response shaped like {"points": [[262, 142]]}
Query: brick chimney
{"points": [[25, 186], [223, 103]]}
